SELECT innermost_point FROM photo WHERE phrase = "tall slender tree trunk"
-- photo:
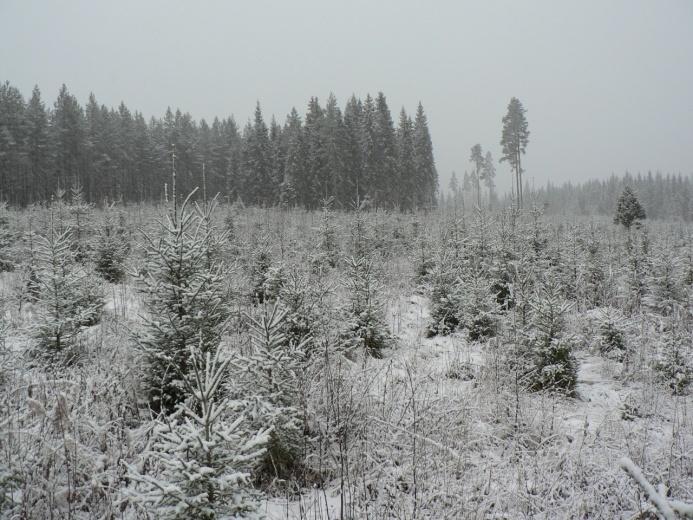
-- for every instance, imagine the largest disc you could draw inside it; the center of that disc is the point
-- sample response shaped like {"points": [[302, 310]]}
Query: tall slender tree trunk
{"points": [[478, 188], [519, 177]]}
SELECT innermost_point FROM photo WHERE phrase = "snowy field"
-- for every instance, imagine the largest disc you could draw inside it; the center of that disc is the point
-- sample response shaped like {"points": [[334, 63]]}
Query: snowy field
{"points": [[440, 365]]}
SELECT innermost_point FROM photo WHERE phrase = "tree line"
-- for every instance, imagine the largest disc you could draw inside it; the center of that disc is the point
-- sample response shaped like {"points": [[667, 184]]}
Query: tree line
{"points": [[355, 155], [661, 196]]}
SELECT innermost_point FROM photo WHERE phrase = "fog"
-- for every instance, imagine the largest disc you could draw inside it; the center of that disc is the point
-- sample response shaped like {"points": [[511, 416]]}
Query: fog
{"points": [[607, 85]]}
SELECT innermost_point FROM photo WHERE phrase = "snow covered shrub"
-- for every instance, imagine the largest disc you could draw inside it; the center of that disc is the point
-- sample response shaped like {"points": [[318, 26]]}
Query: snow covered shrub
{"points": [[90, 301], [612, 336], [665, 283], [185, 299], [68, 300], [327, 254], [266, 279], [200, 459], [635, 273], [478, 312], [81, 212], [548, 362], [7, 240], [268, 381], [446, 300], [538, 239], [302, 305], [365, 328], [112, 248], [594, 277], [674, 366]]}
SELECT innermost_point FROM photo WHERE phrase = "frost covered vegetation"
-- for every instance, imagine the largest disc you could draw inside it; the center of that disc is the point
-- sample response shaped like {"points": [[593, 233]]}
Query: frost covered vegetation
{"points": [[215, 361]]}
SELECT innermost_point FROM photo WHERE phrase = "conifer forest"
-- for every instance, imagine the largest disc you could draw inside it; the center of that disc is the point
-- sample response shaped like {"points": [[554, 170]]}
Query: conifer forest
{"points": [[310, 316]]}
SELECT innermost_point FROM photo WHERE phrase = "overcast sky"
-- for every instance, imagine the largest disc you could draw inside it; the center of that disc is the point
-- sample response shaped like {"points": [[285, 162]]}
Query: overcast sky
{"points": [[607, 84]]}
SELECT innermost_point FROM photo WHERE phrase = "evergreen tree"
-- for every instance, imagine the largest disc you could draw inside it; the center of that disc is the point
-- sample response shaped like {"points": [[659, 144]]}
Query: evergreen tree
{"points": [[385, 182], [39, 179], [112, 248], [367, 179], [256, 177], [68, 138], [488, 174], [317, 181], [293, 186], [186, 304], [348, 194], [268, 382], [7, 240], [200, 459], [365, 328], [406, 165], [628, 209], [13, 135], [514, 142], [477, 157], [65, 302], [334, 141], [277, 161], [547, 355], [427, 176]]}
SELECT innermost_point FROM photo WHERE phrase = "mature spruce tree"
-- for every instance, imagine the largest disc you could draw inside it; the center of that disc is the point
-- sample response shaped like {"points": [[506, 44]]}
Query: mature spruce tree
{"points": [[514, 142], [317, 180], [367, 143], [68, 140], [256, 165], [12, 143], [39, 178], [277, 161], [231, 152], [386, 182], [293, 184], [628, 209], [427, 176], [334, 141], [406, 166], [115, 153], [348, 195]]}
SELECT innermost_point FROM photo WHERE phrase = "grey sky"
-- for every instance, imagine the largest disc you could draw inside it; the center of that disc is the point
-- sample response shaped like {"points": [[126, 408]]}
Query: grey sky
{"points": [[608, 85]]}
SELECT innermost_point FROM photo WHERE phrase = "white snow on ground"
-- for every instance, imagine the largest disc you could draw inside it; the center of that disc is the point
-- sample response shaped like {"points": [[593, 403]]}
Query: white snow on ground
{"points": [[451, 365]]}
